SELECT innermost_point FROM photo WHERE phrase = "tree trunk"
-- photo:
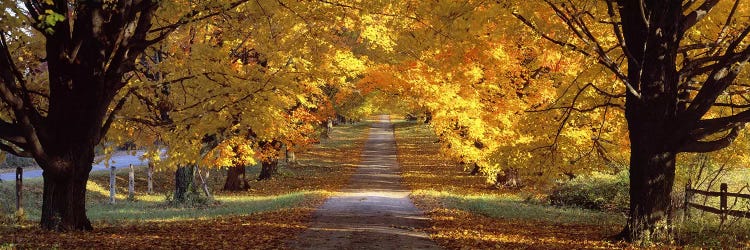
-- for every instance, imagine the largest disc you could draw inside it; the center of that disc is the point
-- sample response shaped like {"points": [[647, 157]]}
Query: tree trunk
{"points": [[236, 179], [183, 182], [324, 133], [475, 170], [651, 115], [329, 128], [204, 184], [150, 178], [268, 169], [64, 196], [509, 177], [652, 174]]}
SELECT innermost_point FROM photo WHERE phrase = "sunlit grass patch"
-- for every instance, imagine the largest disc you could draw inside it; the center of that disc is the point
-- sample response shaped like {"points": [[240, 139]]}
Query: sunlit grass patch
{"points": [[321, 170], [262, 217], [468, 213], [705, 230], [157, 211], [511, 206]]}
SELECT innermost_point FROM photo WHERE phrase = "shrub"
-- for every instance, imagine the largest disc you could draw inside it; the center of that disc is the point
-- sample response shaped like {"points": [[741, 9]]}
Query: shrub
{"points": [[12, 161], [598, 191]]}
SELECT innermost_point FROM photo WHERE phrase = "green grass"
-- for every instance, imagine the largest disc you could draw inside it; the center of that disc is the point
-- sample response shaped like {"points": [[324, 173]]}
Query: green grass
{"points": [[154, 207], [32, 198], [510, 206], [704, 230]]}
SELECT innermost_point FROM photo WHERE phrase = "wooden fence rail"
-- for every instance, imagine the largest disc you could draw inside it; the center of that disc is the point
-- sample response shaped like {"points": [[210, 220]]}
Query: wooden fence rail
{"points": [[723, 195]]}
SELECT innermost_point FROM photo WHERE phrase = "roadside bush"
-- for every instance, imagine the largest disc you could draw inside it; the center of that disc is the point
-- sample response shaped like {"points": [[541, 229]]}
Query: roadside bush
{"points": [[12, 161], [598, 191]]}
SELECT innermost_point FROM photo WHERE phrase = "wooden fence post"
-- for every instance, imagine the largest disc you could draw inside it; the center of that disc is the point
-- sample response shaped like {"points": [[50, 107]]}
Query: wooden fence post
{"points": [[112, 182], [131, 183], [723, 200], [19, 190]]}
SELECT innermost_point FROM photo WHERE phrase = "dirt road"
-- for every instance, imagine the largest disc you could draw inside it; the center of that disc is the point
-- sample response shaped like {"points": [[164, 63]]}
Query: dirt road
{"points": [[374, 211]]}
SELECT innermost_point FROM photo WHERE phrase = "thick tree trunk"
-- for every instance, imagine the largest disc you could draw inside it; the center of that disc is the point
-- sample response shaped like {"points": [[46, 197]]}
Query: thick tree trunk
{"points": [[184, 182], [268, 169], [652, 174], [651, 112], [236, 179], [64, 196]]}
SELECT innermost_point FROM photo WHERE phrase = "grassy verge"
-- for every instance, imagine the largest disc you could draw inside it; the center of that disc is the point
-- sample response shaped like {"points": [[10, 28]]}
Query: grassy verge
{"points": [[467, 213], [263, 216], [509, 206]]}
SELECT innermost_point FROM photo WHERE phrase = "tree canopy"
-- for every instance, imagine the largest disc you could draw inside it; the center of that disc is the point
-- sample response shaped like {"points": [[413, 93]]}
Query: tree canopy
{"points": [[542, 89]]}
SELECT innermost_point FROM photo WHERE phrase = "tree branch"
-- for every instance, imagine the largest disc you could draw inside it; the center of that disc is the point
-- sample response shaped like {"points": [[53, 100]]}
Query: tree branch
{"points": [[708, 127], [689, 20], [8, 93], [13, 149], [696, 146], [115, 110], [189, 18]]}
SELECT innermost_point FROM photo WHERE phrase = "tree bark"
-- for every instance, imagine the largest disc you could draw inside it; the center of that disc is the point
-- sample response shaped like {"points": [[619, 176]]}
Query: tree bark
{"points": [[652, 116], [150, 178], [475, 170], [64, 195], [184, 182], [324, 133], [651, 180], [509, 177], [268, 169], [236, 179], [204, 184]]}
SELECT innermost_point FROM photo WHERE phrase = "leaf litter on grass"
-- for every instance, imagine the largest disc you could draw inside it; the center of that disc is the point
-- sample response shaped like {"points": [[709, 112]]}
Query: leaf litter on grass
{"points": [[321, 171], [436, 182]]}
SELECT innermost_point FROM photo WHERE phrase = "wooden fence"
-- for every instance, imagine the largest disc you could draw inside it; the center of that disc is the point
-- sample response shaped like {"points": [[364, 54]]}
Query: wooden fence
{"points": [[723, 195]]}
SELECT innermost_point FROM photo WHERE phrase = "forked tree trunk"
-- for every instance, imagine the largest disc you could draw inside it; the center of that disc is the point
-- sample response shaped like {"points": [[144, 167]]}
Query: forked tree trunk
{"points": [[652, 115], [236, 179], [64, 196], [268, 169]]}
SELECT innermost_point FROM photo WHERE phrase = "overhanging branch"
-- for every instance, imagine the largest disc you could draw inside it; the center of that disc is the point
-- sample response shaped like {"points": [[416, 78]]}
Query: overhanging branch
{"points": [[696, 146]]}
